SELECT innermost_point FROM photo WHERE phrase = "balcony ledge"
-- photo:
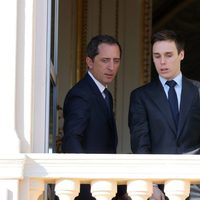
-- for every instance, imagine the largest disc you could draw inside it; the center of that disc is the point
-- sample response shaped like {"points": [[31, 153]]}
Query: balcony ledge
{"points": [[121, 167]]}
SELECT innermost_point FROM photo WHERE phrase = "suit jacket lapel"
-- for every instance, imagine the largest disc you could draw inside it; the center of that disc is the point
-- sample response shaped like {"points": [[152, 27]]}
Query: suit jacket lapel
{"points": [[96, 92], [160, 99], [102, 104], [186, 103]]}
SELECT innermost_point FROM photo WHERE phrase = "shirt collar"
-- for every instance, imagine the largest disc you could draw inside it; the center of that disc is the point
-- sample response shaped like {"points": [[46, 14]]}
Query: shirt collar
{"points": [[178, 80], [99, 85]]}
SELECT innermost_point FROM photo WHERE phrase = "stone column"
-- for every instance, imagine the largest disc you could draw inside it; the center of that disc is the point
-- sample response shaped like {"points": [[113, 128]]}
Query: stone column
{"points": [[9, 140], [4, 193]]}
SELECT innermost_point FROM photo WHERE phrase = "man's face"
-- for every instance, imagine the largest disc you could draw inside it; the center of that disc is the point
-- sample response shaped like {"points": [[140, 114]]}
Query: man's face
{"points": [[166, 59], [105, 65]]}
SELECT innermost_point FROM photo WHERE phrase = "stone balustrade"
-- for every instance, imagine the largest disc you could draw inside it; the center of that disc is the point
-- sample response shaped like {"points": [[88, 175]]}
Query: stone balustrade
{"points": [[25, 176]]}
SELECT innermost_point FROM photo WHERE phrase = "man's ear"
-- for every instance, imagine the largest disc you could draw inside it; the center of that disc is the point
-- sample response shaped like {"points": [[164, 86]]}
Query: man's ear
{"points": [[89, 62], [182, 54]]}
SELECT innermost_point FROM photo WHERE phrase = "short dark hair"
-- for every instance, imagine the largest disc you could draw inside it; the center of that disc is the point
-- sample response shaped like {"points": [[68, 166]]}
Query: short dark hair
{"points": [[171, 36], [92, 47]]}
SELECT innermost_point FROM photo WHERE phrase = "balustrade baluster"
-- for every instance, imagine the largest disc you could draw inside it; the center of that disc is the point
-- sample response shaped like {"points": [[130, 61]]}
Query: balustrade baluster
{"points": [[67, 189], [36, 188], [177, 189], [103, 189], [139, 189]]}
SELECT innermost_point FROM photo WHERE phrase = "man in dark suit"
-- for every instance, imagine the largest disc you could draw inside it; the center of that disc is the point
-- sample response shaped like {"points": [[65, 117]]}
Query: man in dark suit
{"points": [[155, 127], [89, 124]]}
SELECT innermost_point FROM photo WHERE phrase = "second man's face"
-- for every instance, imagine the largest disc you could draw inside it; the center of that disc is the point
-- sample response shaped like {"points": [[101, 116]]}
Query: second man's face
{"points": [[105, 65], [166, 58]]}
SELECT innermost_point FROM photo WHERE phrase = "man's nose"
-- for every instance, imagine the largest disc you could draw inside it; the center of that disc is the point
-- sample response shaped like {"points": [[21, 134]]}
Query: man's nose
{"points": [[111, 65], [162, 59]]}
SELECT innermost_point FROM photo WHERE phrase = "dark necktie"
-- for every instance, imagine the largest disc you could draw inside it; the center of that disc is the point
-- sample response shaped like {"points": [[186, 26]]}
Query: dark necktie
{"points": [[107, 99], [173, 102]]}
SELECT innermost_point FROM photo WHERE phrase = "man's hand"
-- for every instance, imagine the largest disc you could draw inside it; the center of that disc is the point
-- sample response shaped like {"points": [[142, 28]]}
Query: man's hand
{"points": [[157, 194]]}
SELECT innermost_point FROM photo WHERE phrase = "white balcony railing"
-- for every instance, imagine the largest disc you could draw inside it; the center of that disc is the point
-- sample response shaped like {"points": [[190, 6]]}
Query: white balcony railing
{"points": [[24, 176]]}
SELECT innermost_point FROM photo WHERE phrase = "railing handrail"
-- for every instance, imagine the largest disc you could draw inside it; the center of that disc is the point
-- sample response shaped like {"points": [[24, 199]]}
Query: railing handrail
{"points": [[86, 167]]}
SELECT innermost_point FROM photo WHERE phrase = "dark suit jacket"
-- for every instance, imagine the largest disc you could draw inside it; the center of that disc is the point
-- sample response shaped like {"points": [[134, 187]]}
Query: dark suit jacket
{"points": [[88, 127], [151, 124]]}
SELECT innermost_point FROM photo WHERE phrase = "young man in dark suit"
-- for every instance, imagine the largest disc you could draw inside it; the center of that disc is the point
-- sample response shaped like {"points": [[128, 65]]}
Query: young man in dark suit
{"points": [[156, 127], [89, 124]]}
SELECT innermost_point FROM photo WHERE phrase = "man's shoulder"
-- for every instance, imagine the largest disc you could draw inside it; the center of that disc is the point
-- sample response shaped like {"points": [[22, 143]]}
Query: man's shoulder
{"points": [[80, 92], [194, 82], [194, 85], [85, 88], [81, 87], [147, 87]]}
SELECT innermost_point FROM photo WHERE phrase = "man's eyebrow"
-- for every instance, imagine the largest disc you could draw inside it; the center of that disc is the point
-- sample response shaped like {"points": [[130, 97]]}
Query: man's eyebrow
{"points": [[105, 58], [156, 53], [164, 52]]}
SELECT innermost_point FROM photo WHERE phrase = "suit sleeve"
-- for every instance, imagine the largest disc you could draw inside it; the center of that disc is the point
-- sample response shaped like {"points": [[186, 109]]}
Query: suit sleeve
{"points": [[138, 124], [76, 116]]}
